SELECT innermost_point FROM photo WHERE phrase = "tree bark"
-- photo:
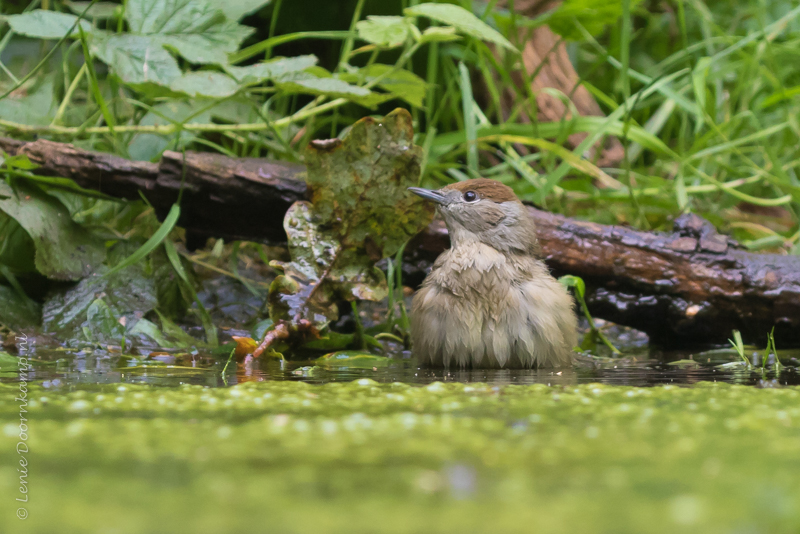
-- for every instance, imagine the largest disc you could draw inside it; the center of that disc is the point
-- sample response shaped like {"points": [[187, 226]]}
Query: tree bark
{"points": [[690, 287]]}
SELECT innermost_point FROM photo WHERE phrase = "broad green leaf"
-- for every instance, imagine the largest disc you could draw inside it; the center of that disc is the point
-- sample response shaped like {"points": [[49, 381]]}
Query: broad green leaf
{"points": [[129, 294], [64, 250], [152, 332], [171, 16], [43, 24], [16, 311], [102, 324], [197, 30], [307, 83], [271, 69], [210, 46], [461, 19], [594, 15], [360, 212], [401, 83], [36, 108], [98, 10], [236, 9], [384, 31], [205, 83], [17, 249], [137, 60]]}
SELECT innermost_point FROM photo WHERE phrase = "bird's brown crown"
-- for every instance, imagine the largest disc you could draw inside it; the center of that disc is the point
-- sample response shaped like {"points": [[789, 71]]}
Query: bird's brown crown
{"points": [[485, 188]]}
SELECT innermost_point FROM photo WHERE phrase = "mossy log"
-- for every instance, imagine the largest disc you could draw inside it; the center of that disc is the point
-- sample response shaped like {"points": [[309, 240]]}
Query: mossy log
{"points": [[693, 286]]}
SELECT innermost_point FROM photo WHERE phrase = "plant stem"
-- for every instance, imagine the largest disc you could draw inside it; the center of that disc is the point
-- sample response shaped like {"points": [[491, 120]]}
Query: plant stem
{"points": [[68, 96], [167, 129], [358, 339]]}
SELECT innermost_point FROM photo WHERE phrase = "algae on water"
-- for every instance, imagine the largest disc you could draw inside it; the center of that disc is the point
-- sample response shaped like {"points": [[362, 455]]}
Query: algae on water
{"points": [[369, 457]]}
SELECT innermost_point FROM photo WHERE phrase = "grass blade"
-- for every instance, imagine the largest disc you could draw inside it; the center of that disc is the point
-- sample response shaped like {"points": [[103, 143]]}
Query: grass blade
{"points": [[205, 318], [151, 244], [470, 121]]}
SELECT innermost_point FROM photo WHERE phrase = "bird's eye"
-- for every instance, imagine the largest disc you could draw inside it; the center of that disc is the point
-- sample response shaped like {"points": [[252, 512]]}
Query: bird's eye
{"points": [[470, 196]]}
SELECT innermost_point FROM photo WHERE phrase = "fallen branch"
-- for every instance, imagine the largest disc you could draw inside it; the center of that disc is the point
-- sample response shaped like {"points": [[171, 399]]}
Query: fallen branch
{"points": [[690, 287]]}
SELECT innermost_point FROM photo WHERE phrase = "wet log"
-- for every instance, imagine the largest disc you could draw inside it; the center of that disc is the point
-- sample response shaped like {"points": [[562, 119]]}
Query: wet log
{"points": [[235, 199], [690, 287]]}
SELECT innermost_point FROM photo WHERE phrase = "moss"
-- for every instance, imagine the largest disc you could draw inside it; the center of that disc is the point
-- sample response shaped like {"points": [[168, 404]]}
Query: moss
{"points": [[365, 457]]}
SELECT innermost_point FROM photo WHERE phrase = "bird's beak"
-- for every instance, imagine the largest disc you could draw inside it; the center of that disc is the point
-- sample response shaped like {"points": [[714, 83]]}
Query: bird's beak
{"points": [[436, 196]]}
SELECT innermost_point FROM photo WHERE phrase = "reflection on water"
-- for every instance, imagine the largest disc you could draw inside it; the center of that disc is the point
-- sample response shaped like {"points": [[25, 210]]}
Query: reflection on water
{"points": [[645, 367]]}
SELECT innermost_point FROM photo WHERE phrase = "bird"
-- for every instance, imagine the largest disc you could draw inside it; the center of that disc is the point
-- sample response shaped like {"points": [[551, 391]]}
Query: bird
{"points": [[490, 302]]}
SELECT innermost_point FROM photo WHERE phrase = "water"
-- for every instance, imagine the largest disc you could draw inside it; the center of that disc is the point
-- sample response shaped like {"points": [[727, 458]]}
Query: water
{"points": [[56, 367]]}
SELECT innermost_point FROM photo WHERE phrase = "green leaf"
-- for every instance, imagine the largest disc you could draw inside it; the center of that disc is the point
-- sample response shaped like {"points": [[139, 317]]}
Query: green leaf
{"points": [[576, 282], [307, 83], [197, 30], [211, 46], [261, 328], [439, 34], [16, 311], [17, 250], [360, 212], [236, 9], [270, 70], [129, 293], [64, 250], [43, 24], [36, 108], [205, 83], [594, 15], [462, 20], [152, 332], [20, 161], [384, 31], [171, 16], [137, 60], [98, 10], [400, 83], [102, 324]]}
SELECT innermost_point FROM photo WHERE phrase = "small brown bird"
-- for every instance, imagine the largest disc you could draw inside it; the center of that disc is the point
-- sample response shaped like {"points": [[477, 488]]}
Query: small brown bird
{"points": [[489, 301]]}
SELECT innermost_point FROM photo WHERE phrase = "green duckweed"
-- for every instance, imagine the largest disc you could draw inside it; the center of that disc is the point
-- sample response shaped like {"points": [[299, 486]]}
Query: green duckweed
{"points": [[365, 457]]}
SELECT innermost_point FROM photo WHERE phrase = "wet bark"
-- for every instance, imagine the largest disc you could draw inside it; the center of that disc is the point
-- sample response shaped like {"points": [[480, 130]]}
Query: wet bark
{"points": [[692, 286], [223, 197]]}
